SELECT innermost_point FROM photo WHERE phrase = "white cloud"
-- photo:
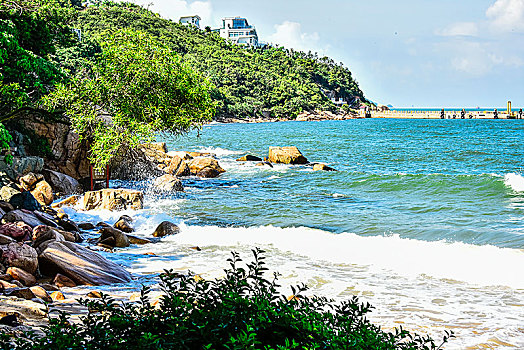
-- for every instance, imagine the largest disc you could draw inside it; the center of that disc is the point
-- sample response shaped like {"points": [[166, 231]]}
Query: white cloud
{"points": [[507, 15], [290, 35], [460, 29], [174, 9]]}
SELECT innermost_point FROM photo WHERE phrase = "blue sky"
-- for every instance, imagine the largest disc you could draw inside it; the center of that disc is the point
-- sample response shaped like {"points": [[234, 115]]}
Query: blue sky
{"points": [[422, 53]]}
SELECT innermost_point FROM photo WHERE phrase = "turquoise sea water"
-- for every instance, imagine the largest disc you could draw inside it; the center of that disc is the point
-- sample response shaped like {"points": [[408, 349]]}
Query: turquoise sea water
{"points": [[426, 180], [424, 219]]}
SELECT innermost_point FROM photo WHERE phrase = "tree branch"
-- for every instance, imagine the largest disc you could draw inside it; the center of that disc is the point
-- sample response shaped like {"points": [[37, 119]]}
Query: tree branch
{"points": [[55, 116]]}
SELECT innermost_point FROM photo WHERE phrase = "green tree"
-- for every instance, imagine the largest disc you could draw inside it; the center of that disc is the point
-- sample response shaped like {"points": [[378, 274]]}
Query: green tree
{"points": [[135, 88]]}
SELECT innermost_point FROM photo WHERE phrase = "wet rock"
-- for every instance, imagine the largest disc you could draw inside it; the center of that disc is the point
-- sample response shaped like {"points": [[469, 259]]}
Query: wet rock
{"points": [[49, 287], [86, 226], [113, 199], [286, 155], [6, 277], [249, 158], [202, 154], [7, 192], [28, 217], [20, 255], [113, 237], [166, 228], [43, 234], [264, 164], [22, 276], [57, 296], [208, 173], [178, 167], [25, 200], [134, 164], [6, 206], [22, 293], [183, 155], [10, 320], [7, 285], [70, 202], [41, 293], [16, 230], [43, 193], [68, 225], [80, 264], [62, 281], [322, 167], [168, 183], [62, 183], [138, 240], [94, 294], [124, 224], [199, 165], [29, 181]]}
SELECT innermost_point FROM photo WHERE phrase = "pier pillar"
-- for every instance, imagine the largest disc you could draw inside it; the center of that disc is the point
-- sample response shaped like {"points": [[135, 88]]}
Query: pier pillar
{"points": [[509, 108]]}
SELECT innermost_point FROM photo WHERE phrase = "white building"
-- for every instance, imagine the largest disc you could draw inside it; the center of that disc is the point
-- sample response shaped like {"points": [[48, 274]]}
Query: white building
{"points": [[339, 101], [237, 30], [191, 21]]}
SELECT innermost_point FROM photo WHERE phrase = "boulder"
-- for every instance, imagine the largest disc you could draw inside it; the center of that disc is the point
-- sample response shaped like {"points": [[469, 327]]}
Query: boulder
{"points": [[322, 167], [5, 239], [82, 265], [22, 293], [6, 285], [286, 155], [201, 154], [138, 240], [208, 173], [29, 181], [264, 164], [7, 192], [197, 166], [20, 255], [86, 226], [113, 199], [45, 233], [62, 281], [43, 193], [249, 158], [25, 200], [70, 202], [168, 183], [124, 224], [58, 295], [183, 155], [18, 274], [133, 164], [166, 228], [31, 218], [41, 293], [16, 230], [155, 146], [178, 167], [112, 237], [6, 207], [62, 183], [21, 166]]}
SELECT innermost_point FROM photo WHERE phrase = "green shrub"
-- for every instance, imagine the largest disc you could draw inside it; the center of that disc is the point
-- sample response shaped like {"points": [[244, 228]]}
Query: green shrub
{"points": [[243, 310]]}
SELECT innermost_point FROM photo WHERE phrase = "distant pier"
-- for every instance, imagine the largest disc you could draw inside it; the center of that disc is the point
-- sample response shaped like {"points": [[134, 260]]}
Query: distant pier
{"points": [[432, 114]]}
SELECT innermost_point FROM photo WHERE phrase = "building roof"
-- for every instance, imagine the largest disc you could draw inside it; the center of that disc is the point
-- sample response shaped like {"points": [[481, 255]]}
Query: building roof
{"points": [[197, 16]]}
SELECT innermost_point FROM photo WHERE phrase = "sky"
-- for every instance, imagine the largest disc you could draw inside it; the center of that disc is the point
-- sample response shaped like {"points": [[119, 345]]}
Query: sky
{"points": [[407, 53]]}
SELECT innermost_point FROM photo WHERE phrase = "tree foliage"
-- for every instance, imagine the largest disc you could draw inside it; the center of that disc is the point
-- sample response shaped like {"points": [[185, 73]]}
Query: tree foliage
{"points": [[134, 88], [243, 310], [248, 81]]}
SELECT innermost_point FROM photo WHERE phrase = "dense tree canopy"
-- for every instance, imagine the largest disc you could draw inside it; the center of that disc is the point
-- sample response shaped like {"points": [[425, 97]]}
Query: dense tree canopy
{"points": [[134, 88], [248, 81]]}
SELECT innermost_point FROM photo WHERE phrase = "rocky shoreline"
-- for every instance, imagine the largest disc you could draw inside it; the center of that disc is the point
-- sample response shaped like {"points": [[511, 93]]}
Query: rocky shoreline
{"points": [[305, 116], [42, 251]]}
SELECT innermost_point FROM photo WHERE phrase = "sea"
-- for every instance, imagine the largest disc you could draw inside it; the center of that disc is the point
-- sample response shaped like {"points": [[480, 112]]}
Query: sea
{"points": [[423, 219]]}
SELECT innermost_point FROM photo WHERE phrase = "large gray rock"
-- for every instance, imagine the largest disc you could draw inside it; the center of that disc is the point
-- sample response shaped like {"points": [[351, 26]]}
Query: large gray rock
{"points": [[82, 265], [62, 183], [26, 216], [113, 237], [166, 228], [124, 224], [21, 166], [133, 164], [20, 255]]}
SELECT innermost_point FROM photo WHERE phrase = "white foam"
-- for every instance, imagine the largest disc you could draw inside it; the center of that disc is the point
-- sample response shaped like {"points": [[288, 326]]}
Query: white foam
{"points": [[219, 151], [515, 181], [482, 265]]}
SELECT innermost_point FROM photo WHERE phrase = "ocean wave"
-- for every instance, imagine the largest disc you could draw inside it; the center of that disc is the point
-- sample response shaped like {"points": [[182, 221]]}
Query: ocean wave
{"points": [[219, 151], [482, 265], [515, 181]]}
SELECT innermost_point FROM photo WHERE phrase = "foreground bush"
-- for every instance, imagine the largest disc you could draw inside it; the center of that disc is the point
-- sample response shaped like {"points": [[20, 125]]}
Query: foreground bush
{"points": [[241, 311]]}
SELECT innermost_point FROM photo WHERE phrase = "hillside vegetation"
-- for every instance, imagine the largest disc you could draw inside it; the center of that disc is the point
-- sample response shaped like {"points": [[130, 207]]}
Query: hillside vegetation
{"points": [[248, 81]]}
